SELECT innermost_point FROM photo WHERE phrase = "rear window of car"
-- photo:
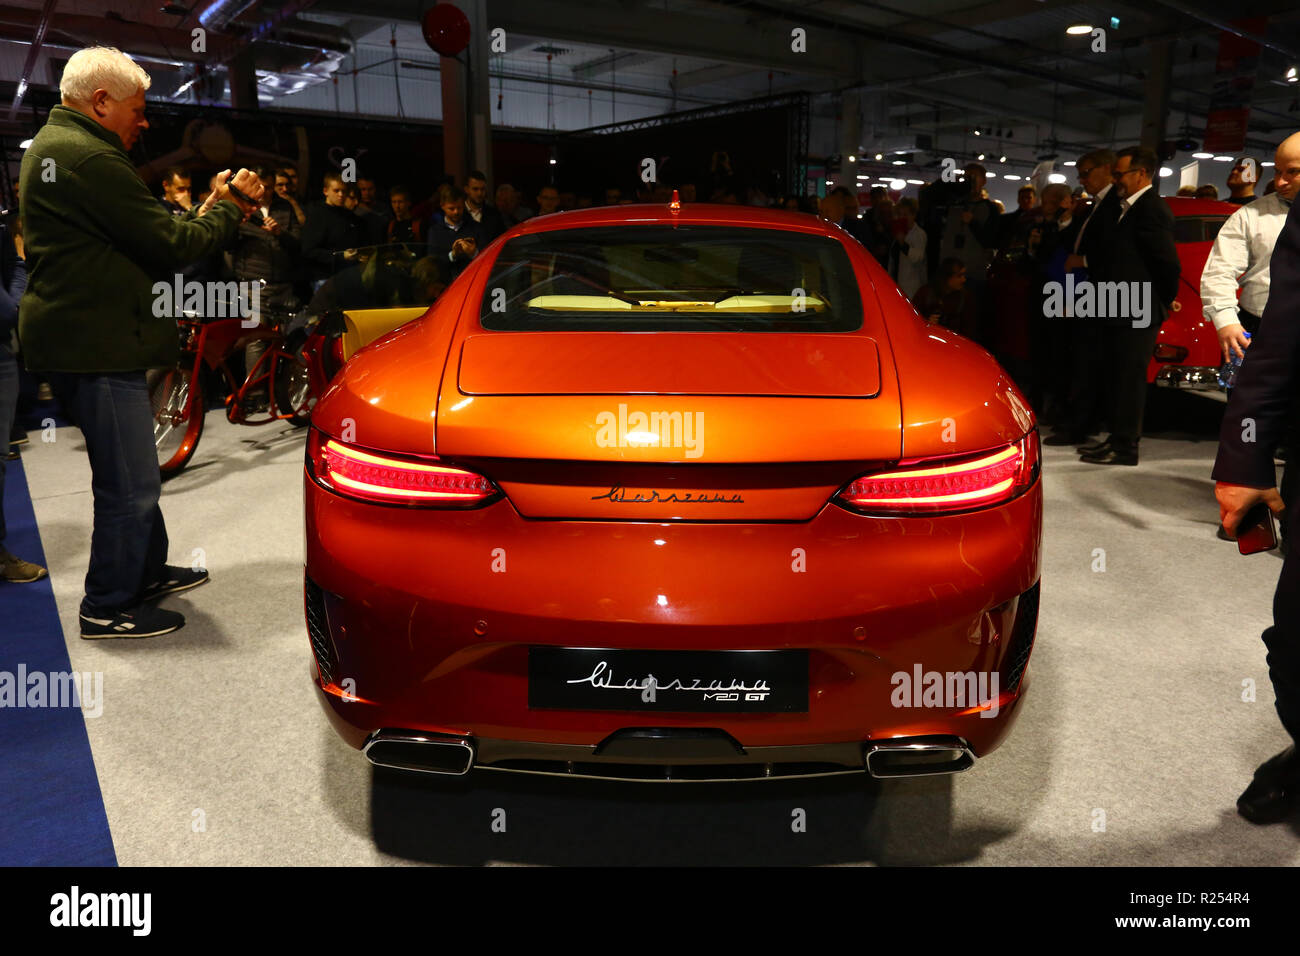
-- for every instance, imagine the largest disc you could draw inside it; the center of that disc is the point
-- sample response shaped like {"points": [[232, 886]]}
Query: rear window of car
{"points": [[665, 278]]}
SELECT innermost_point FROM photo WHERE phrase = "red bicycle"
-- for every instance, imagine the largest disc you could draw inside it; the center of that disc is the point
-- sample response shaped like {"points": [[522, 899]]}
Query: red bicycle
{"points": [[177, 393], [303, 350]]}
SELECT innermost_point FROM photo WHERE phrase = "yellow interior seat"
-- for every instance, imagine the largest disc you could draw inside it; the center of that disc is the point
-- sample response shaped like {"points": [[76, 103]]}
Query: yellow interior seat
{"points": [[363, 326]]}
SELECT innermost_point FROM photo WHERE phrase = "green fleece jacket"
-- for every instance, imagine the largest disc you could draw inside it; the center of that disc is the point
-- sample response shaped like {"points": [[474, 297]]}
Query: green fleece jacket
{"points": [[96, 242]]}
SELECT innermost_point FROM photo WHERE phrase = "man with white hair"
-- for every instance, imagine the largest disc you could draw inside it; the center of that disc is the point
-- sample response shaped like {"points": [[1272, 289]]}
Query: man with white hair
{"points": [[97, 241]]}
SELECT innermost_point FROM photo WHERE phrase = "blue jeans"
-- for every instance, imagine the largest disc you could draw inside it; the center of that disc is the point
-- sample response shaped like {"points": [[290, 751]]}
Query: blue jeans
{"points": [[128, 547], [8, 405]]}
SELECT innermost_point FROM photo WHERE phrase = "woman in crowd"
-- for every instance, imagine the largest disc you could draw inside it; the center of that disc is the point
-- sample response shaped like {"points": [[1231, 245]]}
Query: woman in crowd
{"points": [[946, 301]]}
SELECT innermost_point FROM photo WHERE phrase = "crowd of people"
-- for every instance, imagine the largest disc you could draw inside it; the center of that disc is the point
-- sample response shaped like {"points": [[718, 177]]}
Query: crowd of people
{"points": [[971, 266]]}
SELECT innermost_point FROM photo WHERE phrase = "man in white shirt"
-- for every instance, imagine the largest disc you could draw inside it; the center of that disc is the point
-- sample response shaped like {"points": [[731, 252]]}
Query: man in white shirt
{"points": [[907, 258], [1241, 254]]}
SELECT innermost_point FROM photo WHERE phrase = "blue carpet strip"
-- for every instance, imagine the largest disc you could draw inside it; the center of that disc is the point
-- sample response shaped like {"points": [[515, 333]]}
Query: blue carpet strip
{"points": [[51, 810]]}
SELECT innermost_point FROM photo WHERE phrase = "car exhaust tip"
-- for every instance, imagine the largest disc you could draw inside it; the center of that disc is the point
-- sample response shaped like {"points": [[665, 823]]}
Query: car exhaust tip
{"points": [[422, 753], [918, 756]]}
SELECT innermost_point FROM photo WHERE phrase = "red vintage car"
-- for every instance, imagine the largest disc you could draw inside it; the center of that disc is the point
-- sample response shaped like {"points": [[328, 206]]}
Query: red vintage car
{"points": [[1187, 353], [673, 493]]}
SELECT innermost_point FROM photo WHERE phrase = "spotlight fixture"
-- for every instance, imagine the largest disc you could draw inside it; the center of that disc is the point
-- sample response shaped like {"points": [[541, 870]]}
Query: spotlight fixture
{"points": [[1002, 159], [977, 132], [1166, 171], [27, 142], [1068, 162], [1223, 159], [980, 157], [1291, 75], [1055, 178], [552, 160], [1079, 29], [852, 158], [1202, 155], [991, 176], [899, 162], [880, 156], [898, 185]]}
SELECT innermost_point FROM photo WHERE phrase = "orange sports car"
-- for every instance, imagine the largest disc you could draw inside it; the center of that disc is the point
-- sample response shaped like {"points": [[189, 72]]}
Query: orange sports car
{"points": [[673, 493]]}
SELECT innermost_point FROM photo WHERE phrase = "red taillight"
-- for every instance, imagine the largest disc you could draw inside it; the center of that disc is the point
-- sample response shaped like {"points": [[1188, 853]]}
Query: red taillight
{"points": [[948, 485], [369, 476]]}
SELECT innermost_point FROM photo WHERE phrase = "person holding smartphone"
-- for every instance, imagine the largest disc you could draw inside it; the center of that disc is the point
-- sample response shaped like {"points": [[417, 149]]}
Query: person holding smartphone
{"points": [[97, 241], [1258, 417]]}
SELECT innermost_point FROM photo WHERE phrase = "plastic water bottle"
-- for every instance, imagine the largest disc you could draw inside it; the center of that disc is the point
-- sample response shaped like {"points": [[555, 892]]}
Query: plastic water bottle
{"points": [[1228, 370]]}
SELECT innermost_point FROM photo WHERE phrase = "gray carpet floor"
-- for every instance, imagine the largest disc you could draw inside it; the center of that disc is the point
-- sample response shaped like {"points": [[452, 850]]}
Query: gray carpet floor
{"points": [[1132, 746]]}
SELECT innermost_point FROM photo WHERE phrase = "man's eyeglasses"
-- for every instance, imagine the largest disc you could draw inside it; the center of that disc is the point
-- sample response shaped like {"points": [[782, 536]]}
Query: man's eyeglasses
{"points": [[1120, 175], [1085, 170]]}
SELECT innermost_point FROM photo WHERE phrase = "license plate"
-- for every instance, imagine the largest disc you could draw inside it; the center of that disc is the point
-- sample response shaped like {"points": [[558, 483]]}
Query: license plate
{"points": [[724, 682]]}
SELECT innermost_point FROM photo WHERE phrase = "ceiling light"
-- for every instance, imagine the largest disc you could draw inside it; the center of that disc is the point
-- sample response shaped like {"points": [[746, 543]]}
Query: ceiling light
{"points": [[1079, 29], [1009, 176], [980, 156], [1223, 159], [1291, 75], [1002, 159], [1055, 178], [1068, 162], [916, 182], [897, 185], [552, 162], [863, 176], [977, 132], [853, 159], [1202, 155], [1267, 162], [830, 182], [27, 142], [1166, 171], [991, 176], [880, 155], [899, 162]]}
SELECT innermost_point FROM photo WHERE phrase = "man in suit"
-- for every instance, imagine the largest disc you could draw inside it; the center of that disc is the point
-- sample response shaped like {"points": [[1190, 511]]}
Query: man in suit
{"points": [[1142, 256], [1257, 418], [485, 215], [1091, 241], [456, 239]]}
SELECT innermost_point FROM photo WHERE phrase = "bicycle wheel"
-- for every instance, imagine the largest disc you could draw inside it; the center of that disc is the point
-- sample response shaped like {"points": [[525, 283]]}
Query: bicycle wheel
{"points": [[177, 401], [292, 388]]}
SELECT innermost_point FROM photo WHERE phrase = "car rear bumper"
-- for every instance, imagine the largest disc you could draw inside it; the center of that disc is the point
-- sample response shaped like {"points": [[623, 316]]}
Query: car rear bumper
{"points": [[421, 623], [667, 755]]}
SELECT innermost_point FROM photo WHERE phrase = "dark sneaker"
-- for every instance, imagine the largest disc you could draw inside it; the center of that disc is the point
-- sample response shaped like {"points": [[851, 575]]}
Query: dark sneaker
{"points": [[17, 571], [140, 621], [174, 579]]}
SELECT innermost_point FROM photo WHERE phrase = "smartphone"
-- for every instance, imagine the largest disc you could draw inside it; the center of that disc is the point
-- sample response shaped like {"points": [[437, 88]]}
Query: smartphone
{"points": [[1257, 531]]}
